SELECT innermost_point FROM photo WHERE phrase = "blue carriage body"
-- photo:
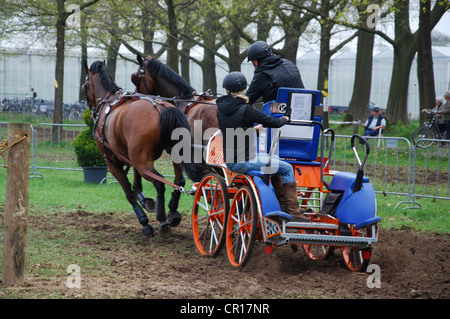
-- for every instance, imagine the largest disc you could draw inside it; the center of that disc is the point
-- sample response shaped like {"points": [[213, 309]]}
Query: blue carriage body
{"points": [[358, 208], [303, 148]]}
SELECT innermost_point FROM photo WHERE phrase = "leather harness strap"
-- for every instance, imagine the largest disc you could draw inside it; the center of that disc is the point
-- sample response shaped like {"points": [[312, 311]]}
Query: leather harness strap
{"points": [[123, 159]]}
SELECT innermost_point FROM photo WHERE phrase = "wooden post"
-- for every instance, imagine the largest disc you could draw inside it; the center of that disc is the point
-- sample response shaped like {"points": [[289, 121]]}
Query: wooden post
{"points": [[16, 205]]}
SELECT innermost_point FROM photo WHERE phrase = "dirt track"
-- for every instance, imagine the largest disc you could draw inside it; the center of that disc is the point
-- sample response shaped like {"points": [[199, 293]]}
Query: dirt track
{"points": [[412, 265]]}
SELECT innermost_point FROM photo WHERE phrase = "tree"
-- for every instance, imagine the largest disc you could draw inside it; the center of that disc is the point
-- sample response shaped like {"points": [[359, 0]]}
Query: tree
{"points": [[360, 99], [35, 16], [425, 74], [405, 44]]}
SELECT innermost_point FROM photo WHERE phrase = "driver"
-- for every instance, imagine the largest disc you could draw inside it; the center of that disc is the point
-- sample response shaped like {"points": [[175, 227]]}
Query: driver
{"points": [[271, 73]]}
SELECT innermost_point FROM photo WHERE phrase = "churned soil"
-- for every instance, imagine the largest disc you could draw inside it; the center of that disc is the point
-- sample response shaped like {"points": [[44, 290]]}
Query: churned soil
{"points": [[411, 264]]}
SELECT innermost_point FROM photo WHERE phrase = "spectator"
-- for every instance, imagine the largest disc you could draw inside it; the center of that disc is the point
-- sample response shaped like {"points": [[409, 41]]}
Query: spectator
{"points": [[374, 123], [33, 94], [444, 111], [441, 123]]}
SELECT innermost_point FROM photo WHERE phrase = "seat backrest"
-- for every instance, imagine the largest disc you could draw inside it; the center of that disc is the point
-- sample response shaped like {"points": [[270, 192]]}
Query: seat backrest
{"points": [[214, 150], [297, 142]]}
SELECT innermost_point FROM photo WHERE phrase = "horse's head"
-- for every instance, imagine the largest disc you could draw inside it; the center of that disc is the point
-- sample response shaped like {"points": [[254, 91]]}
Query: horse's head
{"points": [[87, 87], [155, 78], [99, 84], [142, 78]]}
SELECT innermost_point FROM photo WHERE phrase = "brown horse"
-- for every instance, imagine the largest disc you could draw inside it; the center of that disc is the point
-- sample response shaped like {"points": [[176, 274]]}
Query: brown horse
{"points": [[134, 132], [156, 78]]}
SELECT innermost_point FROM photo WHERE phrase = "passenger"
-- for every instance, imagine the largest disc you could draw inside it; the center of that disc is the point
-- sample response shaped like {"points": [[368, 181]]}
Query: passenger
{"points": [[271, 73], [441, 123], [236, 116], [444, 111], [374, 123]]}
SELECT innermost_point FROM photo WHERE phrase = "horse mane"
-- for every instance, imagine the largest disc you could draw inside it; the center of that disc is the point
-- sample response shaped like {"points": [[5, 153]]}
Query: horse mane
{"points": [[106, 80], [163, 71]]}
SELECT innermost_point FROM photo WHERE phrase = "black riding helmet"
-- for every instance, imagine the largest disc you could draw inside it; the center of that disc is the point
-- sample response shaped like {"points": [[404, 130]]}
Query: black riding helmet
{"points": [[234, 82], [258, 51]]}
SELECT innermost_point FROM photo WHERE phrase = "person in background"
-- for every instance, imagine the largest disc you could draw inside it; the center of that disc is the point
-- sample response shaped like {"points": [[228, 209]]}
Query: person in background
{"points": [[374, 123], [33, 94], [444, 111], [439, 102], [271, 72]]}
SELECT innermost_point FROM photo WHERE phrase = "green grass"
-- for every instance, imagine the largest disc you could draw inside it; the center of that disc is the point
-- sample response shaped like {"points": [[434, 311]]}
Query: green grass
{"points": [[65, 191]]}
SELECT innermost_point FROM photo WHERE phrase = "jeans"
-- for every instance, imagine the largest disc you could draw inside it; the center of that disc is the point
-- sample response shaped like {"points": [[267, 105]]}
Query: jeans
{"points": [[277, 167], [370, 132]]}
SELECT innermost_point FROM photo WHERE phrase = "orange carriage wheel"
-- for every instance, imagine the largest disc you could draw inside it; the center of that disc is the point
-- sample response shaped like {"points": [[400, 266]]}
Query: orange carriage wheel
{"points": [[241, 227], [318, 252], [211, 206], [357, 259]]}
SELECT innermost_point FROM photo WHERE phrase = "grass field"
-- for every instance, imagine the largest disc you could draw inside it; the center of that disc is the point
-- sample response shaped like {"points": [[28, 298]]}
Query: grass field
{"points": [[65, 191]]}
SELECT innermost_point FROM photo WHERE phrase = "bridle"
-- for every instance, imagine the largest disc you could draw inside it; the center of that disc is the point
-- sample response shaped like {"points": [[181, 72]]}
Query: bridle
{"points": [[141, 78], [96, 109]]}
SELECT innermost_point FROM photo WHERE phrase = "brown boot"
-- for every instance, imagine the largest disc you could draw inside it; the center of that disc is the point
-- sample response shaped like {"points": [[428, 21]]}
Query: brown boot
{"points": [[293, 208], [277, 183]]}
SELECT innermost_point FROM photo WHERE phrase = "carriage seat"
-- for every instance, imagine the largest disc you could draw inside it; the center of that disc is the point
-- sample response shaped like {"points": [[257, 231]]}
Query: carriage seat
{"points": [[344, 181]]}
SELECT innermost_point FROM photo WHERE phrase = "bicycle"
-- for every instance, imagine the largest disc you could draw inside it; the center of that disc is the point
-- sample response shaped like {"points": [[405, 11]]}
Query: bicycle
{"points": [[428, 131]]}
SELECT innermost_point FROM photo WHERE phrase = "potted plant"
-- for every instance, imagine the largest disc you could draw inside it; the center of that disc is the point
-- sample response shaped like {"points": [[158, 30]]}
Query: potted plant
{"points": [[87, 153]]}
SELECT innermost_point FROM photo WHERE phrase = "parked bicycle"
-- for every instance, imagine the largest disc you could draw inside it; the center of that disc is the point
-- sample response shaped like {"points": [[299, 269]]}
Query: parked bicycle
{"points": [[428, 131]]}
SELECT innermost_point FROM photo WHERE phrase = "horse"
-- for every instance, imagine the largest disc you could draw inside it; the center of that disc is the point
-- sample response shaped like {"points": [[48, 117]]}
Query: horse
{"points": [[133, 132], [155, 78]]}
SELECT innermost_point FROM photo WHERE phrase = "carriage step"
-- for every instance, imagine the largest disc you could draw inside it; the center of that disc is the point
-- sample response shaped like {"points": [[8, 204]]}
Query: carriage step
{"points": [[311, 225], [329, 240]]}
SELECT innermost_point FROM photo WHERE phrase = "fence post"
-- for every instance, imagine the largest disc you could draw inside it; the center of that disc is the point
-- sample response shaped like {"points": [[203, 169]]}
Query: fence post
{"points": [[16, 204]]}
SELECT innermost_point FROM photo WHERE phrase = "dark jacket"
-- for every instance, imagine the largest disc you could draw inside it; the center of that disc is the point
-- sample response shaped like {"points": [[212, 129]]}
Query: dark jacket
{"points": [[235, 114], [272, 73]]}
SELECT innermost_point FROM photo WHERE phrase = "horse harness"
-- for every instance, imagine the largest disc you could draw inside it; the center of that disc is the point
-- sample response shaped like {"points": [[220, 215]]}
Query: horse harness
{"points": [[120, 159]]}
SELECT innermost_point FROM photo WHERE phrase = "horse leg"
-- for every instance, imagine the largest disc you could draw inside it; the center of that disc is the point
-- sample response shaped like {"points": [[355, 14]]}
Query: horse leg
{"points": [[164, 227], [146, 202], [174, 216], [121, 177]]}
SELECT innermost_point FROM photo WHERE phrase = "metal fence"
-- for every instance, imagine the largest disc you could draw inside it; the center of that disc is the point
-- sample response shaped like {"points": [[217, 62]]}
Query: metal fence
{"points": [[392, 165]]}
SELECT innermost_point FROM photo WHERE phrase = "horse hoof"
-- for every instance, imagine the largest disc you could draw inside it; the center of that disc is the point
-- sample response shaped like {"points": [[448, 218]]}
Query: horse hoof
{"points": [[148, 231], [149, 205], [165, 230], [174, 218]]}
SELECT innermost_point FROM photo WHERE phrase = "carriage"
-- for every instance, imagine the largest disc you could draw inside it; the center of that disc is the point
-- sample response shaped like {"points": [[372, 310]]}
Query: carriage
{"points": [[235, 210]]}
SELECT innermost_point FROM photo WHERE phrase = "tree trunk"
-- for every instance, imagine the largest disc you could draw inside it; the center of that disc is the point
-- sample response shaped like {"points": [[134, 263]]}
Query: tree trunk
{"points": [[59, 70], [324, 66], [84, 55], [172, 41], [209, 72], [185, 61], [397, 106], [359, 102], [425, 72]]}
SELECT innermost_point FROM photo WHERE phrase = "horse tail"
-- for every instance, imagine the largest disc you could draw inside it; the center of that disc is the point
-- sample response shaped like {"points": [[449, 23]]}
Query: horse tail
{"points": [[171, 119]]}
